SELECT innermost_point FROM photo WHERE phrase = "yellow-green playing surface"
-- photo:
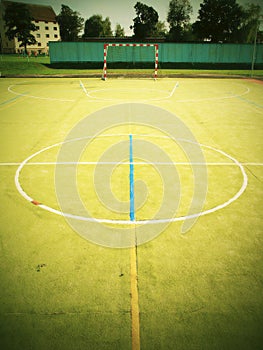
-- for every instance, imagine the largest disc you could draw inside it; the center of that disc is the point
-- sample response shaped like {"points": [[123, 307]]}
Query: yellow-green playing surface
{"points": [[201, 289]]}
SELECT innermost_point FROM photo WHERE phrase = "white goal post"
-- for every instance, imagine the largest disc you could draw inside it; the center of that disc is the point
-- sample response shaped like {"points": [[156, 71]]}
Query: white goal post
{"points": [[156, 56]]}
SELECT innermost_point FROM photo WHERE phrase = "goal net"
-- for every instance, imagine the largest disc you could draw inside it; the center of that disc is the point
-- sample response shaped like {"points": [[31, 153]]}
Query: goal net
{"points": [[130, 54]]}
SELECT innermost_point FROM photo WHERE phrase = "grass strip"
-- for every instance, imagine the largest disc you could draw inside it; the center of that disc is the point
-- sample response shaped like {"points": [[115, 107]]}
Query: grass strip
{"points": [[16, 66]]}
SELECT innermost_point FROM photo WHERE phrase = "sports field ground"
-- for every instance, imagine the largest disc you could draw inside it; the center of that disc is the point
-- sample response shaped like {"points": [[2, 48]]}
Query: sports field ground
{"points": [[131, 213]]}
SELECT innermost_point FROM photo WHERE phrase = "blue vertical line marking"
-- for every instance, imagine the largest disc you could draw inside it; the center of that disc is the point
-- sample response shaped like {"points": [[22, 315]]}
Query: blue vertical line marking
{"points": [[132, 214]]}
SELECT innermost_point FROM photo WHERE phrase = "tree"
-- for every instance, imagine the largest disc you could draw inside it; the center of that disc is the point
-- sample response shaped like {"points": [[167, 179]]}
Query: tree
{"points": [[218, 20], [119, 31], [106, 28], [95, 26], [145, 21], [18, 22], [178, 18], [70, 23], [249, 23], [160, 30]]}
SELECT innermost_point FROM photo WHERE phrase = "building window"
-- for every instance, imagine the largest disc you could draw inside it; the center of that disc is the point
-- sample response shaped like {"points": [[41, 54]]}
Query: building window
{"points": [[39, 44], [38, 35], [46, 21], [46, 28], [55, 36], [47, 35], [37, 27], [55, 28]]}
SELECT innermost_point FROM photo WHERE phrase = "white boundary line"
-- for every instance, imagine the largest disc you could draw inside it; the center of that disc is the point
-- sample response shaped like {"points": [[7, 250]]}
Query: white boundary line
{"points": [[129, 222], [135, 163], [37, 97]]}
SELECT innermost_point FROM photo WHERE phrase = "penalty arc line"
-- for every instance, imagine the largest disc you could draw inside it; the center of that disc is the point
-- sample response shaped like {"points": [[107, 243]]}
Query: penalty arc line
{"points": [[83, 88], [175, 87], [89, 95], [86, 92]]}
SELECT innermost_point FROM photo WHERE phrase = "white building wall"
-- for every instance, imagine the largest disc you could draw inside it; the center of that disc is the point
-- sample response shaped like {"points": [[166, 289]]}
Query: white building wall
{"points": [[47, 31]]}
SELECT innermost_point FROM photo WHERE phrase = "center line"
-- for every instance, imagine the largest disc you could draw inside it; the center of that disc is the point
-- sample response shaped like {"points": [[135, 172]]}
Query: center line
{"points": [[135, 313], [132, 215]]}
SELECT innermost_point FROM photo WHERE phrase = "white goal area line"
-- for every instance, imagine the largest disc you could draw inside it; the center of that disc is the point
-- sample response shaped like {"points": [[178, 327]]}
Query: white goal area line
{"points": [[90, 92]]}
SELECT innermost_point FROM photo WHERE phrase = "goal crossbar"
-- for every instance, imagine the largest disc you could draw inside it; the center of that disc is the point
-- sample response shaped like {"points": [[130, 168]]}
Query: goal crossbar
{"points": [[156, 56]]}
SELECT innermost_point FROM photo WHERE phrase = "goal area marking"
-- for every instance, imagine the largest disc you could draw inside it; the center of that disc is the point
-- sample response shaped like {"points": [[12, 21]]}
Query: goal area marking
{"points": [[156, 55]]}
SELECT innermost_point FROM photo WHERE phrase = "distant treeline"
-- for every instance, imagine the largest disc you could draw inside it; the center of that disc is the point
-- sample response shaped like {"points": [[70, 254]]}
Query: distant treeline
{"points": [[240, 25]]}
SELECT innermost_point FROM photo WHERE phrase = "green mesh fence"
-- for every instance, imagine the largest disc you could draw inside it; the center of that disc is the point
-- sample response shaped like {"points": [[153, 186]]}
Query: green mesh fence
{"points": [[168, 53], [209, 53]]}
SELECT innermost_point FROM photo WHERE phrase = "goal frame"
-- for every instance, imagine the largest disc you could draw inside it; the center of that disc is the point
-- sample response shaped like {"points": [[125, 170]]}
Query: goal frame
{"points": [[156, 55]]}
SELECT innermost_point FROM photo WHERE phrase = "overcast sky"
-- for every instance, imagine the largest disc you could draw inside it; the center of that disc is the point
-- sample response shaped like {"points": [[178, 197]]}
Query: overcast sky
{"points": [[119, 11]]}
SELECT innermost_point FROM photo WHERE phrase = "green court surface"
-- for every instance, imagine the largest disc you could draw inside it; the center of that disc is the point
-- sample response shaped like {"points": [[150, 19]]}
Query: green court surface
{"points": [[131, 214]]}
